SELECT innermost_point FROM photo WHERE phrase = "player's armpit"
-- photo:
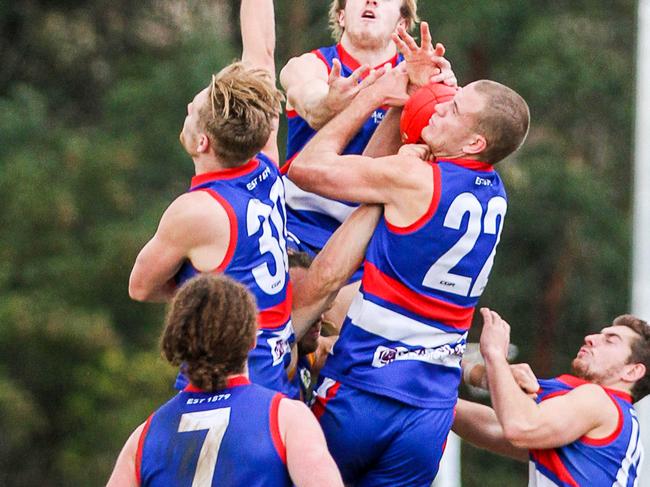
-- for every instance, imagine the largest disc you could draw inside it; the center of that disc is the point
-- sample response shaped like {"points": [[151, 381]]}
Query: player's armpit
{"points": [[308, 460], [585, 411]]}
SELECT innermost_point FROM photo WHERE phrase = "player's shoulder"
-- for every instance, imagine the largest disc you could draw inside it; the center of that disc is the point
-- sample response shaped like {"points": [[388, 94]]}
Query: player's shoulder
{"points": [[306, 65], [193, 208]]}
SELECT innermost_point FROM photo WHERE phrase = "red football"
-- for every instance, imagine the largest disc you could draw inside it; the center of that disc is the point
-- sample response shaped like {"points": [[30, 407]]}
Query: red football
{"points": [[420, 107]]}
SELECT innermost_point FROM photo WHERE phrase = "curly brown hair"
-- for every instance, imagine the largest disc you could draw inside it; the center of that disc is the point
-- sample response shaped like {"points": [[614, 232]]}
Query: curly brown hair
{"points": [[242, 110], [640, 352], [210, 328]]}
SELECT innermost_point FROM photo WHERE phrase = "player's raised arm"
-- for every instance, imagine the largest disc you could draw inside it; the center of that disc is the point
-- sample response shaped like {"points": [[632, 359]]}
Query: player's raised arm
{"points": [[552, 423], [332, 267], [257, 19]]}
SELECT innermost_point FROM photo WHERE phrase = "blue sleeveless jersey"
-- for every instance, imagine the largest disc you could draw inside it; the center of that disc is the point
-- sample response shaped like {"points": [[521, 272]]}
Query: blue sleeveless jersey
{"points": [[611, 461], [224, 438], [253, 197], [406, 330], [312, 219]]}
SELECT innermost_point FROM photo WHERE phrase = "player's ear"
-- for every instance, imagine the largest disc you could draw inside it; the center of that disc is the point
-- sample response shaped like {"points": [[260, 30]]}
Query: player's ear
{"points": [[340, 17], [633, 372], [203, 144], [476, 144]]}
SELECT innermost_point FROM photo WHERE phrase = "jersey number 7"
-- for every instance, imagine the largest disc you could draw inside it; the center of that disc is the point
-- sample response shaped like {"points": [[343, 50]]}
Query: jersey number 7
{"points": [[215, 421]]}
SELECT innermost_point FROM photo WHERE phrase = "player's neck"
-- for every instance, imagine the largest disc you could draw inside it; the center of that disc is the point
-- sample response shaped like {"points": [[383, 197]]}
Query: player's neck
{"points": [[205, 163], [371, 55]]}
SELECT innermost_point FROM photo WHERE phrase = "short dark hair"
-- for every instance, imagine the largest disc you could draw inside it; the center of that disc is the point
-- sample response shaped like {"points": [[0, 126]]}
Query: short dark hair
{"points": [[299, 259], [504, 120], [640, 353], [210, 328]]}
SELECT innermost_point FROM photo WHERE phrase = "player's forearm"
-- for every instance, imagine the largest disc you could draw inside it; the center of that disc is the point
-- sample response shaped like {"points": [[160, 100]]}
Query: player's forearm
{"points": [[258, 34], [345, 250], [333, 267], [387, 139], [518, 414], [478, 425]]}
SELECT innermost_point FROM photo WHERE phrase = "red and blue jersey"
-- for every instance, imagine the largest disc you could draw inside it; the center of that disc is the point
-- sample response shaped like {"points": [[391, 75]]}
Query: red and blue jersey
{"points": [[312, 219], [610, 461], [253, 197], [225, 438], [406, 330]]}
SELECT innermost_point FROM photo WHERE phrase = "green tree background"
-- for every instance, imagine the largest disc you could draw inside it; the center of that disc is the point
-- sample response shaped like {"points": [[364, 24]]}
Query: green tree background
{"points": [[92, 97]]}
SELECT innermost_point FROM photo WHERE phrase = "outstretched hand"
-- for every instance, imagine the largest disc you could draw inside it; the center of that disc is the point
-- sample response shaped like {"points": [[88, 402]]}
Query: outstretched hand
{"points": [[343, 90], [424, 64]]}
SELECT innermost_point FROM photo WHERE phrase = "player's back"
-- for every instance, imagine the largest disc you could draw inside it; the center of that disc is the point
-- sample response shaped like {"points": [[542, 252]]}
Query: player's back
{"points": [[613, 460], [253, 197], [406, 330], [225, 438]]}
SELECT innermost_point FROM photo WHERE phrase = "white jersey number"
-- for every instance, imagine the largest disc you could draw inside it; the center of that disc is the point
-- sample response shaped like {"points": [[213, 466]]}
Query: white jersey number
{"points": [[439, 276], [260, 214], [215, 421]]}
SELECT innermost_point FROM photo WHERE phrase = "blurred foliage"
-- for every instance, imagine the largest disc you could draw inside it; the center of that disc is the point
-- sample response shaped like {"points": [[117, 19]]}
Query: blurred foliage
{"points": [[93, 95]]}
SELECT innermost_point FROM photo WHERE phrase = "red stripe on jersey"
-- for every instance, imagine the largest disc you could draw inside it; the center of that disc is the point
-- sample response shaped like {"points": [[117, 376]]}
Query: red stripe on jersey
{"points": [[552, 461], [138, 453], [574, 381], [385, 287], [433, 206], [320, 56], [285, 167], [232, 220], [469, 164], [278, 315], [230, 173], [274, 423], [292, 114], [234, 381], [321, 402]]}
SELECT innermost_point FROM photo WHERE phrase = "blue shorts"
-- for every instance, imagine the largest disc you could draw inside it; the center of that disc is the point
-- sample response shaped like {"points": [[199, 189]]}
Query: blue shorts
{"points": [[299, 246], [378, 441]]}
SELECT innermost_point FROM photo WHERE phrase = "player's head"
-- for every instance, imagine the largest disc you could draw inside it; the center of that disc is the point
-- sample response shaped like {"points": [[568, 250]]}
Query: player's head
{"points": [[369, 23], [233, 117], [620, 353], [210, 328], [486, 121]]}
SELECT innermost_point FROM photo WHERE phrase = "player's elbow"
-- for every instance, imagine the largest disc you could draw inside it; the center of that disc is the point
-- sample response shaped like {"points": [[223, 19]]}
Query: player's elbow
{"points": [[519, 433], [300, 172], [138, 290]]}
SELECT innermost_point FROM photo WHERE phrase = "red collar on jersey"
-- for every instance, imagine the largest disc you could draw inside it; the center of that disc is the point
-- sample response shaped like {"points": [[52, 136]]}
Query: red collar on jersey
{"points": [[234, 381], [468, 163], [574, 381], [230, 173], [347, 60]]}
